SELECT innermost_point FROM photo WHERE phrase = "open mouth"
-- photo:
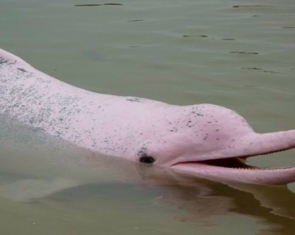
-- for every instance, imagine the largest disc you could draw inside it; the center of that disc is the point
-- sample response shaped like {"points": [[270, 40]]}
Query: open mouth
{"points": [[236, 169], [229, 163], [237, 162]]}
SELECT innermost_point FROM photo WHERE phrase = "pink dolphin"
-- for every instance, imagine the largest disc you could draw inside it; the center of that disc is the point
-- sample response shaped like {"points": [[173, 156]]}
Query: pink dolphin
{"points": [[203, 140]]}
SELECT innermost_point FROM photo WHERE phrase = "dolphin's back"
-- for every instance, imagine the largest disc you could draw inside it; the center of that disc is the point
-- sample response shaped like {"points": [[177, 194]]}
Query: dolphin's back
{"points": [[87, 119]]}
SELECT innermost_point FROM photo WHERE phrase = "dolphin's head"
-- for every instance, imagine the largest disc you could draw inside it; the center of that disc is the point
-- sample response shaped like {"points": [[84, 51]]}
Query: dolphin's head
{"points": [[213, 142]]}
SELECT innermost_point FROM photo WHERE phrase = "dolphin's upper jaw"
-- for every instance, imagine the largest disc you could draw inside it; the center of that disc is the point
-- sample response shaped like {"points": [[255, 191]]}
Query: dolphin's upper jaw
{"points": [[236, 169]]}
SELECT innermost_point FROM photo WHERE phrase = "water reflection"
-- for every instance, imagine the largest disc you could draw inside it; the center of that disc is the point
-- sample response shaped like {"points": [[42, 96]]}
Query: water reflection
{"points": [[203, 200]]}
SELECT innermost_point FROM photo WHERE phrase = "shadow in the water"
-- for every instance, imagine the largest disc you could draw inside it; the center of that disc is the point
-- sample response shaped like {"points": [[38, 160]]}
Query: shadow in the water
{"points": [[201, 200], [273, 206]]}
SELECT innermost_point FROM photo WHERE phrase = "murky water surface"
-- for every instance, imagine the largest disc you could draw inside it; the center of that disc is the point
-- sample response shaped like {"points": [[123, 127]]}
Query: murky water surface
{"points": [[239, 54]]}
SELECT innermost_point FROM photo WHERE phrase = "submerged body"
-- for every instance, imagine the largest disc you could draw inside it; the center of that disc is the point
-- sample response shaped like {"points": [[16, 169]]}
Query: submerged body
{"points": [[198, 139]]}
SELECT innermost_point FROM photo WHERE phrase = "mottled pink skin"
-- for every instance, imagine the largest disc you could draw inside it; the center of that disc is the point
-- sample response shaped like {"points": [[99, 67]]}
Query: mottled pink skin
{"points": [[131, 127]]}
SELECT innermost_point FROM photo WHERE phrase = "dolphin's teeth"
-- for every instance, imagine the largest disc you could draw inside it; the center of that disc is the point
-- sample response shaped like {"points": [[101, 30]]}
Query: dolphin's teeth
{"points": [[262, 168], [238, 164]]}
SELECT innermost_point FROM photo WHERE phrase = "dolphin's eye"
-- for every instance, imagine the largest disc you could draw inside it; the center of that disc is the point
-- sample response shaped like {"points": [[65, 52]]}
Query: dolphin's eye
{"points": [[147, 159]]}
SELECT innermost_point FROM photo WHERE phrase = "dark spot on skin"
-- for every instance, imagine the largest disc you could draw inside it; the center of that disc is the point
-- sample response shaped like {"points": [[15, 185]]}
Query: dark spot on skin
{"points": [[21, 69], [189, 124], [5, 61], [206, 136], [134, 99], [174, 129]]}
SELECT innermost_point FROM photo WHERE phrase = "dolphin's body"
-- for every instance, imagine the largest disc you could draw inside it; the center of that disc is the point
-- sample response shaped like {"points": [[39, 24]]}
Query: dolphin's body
{"points": [[205, 140]]}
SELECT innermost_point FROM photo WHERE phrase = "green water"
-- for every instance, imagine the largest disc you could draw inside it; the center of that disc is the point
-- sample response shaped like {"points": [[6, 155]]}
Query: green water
{"points": [[239, 54]]}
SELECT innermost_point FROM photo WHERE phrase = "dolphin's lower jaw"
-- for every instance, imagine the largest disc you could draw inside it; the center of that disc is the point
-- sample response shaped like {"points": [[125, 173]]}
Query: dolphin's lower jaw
{"points": [[235, 169]]}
